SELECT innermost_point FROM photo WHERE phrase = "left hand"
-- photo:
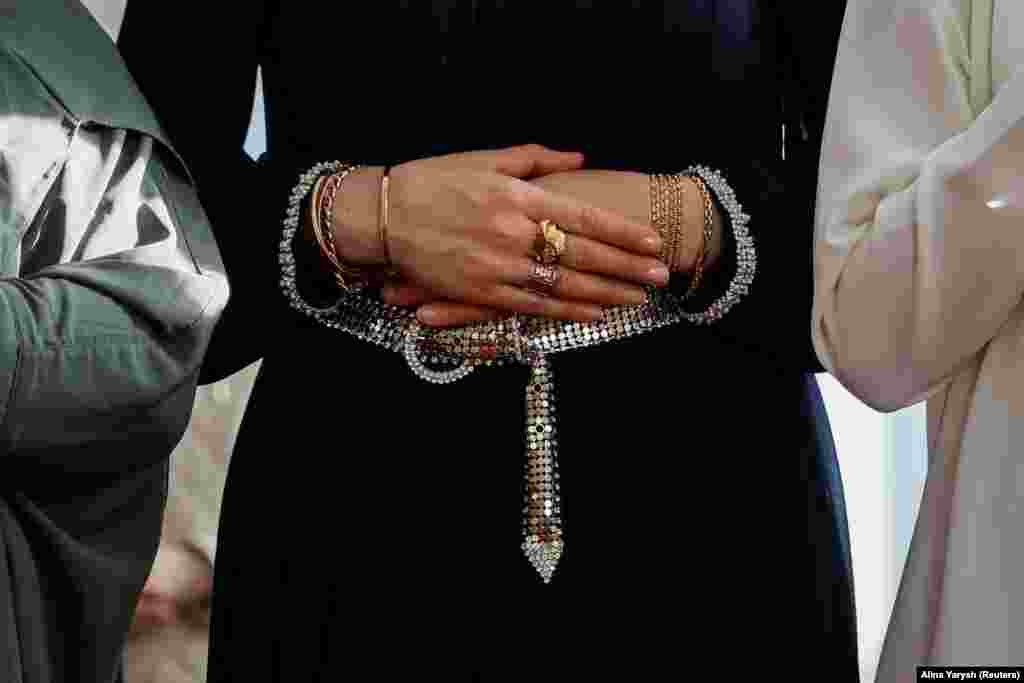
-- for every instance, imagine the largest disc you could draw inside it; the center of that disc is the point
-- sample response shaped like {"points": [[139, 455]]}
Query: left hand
{"points": [[625, 193]]}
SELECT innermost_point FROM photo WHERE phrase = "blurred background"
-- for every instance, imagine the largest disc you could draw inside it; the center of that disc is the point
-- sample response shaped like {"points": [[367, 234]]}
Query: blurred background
{"points": [[883, 460]]}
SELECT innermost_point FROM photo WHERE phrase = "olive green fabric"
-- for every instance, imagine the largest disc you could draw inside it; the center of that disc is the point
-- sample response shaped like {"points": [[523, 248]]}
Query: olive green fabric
{"points": [[110, 285]]}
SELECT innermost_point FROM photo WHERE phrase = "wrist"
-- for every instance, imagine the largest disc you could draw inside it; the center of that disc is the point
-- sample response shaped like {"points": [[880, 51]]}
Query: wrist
{"points": [[357, 218], [694, 219], [713, 246], [314, 272]]}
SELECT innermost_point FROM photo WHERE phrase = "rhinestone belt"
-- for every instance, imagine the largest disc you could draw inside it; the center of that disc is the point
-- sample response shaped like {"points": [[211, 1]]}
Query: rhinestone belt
{"points": [[443, 356]]}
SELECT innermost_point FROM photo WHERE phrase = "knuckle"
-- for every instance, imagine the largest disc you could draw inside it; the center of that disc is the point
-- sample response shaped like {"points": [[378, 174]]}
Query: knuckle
{"points": [[479, 198], [515, 193], [508, 231], [589, 218], [477, 265], [568, 282], [576, 253], [491, 265]]}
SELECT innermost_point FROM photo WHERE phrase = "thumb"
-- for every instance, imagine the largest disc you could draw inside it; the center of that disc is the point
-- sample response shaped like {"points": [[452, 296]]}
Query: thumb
{"points": [[530, 161]]}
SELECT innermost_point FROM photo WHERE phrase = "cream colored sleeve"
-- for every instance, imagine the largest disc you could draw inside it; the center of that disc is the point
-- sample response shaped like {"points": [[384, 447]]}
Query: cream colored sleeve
{"points": [[919, 243]]}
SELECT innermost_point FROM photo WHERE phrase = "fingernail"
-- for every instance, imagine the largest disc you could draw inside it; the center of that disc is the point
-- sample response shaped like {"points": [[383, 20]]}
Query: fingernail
{"points": [[636, 297], [658, 275], [653, 244], [426, 316]]}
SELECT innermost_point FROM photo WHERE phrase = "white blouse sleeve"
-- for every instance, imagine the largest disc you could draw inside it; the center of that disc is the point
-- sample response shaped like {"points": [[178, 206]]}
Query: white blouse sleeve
{"points": [[919, 244]]}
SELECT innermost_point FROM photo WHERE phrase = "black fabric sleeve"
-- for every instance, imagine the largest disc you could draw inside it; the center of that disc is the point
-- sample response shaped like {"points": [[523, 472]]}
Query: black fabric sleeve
{"points": [[203, 94], [774, 319]]}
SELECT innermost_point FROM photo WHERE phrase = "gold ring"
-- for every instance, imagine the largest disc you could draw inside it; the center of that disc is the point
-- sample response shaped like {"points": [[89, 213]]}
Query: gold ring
{"points": [[550, 242], [543, 278]]}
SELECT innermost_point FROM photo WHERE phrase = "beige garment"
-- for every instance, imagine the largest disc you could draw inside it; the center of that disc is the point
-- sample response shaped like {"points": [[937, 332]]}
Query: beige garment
{"points": [[178, 653], [919, 259]]}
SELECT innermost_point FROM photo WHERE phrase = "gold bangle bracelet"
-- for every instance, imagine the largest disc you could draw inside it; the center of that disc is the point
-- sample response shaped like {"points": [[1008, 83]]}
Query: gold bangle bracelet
{"points": [[661, 215], [707, 235], [347, 277], [326, 210], [314, 217], [668, 216], [383, 216], [653, 198], [678, 222], [665, 191]]}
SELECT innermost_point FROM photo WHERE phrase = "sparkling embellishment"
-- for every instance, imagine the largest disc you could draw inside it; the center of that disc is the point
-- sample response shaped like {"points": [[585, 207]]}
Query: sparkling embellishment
{"points": [[543, 278], [423, 371], [442, 356], [746, 257], [543, 525], [552, 242]]}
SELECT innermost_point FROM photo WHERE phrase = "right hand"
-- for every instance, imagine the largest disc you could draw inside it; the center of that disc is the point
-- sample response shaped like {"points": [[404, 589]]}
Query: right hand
{"points": [[463, 226]]}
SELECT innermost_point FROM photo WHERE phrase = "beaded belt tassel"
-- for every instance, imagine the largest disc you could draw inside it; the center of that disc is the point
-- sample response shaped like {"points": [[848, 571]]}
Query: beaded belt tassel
{"points": [[542, 510]]}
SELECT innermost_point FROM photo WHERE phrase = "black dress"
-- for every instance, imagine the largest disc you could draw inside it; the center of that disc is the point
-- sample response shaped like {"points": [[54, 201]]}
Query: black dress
{"points": [[373, 519]]}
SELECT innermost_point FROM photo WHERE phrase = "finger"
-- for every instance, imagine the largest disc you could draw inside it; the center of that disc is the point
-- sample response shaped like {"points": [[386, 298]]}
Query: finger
{"points": [[522, 300], [451, 314], [586, 255], [406, 294], [582, 287], [586, 220], [527, 161]]}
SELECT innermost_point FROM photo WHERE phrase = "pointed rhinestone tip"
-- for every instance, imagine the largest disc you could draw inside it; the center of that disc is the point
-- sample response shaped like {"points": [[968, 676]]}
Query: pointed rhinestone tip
{"points": [[543, 556]]}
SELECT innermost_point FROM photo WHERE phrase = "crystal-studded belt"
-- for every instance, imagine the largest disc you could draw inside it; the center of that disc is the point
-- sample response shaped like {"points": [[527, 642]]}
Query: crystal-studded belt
{"points": [[442, 356]]}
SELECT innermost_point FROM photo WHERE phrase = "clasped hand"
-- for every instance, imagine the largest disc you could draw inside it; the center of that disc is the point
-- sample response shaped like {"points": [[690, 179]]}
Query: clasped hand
{"points": [[463, 230]]}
